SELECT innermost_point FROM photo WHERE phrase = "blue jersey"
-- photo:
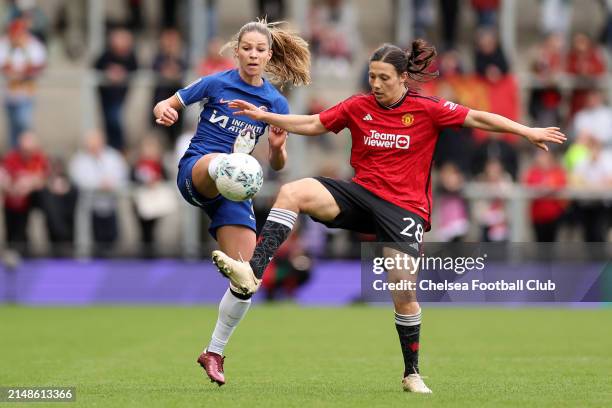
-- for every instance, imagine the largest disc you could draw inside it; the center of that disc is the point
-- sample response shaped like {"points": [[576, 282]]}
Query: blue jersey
{"points": [[217, 126]]}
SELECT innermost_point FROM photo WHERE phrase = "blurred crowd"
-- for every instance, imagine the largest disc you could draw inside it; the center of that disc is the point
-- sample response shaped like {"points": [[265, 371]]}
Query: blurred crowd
{"points": [[567, 86]]}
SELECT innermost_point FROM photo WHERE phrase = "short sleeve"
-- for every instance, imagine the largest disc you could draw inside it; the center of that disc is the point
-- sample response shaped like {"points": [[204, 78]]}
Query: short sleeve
{"points": [[448, 114], [281, 106], [336, 118], [195, 91]]}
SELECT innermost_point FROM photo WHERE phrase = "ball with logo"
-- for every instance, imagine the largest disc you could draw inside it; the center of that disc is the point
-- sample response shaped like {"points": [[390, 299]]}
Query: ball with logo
{"points": [[239, 177]]}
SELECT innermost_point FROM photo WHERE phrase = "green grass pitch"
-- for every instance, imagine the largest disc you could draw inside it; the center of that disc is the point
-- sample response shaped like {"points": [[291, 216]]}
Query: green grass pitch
{"points": [[324, 357]]}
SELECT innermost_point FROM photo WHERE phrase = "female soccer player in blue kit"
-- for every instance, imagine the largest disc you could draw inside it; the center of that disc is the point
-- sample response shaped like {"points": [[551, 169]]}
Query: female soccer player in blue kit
{"points": [[258, 47]]}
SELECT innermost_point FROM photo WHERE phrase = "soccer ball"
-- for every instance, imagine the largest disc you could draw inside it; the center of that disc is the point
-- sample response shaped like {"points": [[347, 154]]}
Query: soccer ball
{"points": [[239, 176]]}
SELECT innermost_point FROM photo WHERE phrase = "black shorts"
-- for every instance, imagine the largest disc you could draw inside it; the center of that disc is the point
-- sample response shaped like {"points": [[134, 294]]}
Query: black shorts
{"points": [[365, 212]]}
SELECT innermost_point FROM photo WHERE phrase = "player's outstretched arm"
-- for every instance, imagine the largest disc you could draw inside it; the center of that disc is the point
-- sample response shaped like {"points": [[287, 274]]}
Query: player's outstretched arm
{"points": [[492, 122], [308, 125], [166, 111]]}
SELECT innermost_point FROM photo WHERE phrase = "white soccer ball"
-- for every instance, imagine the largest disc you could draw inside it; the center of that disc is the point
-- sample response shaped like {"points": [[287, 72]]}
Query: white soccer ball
{"points": [[239, 176]]}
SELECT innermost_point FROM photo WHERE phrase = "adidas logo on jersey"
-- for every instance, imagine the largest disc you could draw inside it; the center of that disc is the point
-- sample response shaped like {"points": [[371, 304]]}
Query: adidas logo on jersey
{"points": [[367, 117]]}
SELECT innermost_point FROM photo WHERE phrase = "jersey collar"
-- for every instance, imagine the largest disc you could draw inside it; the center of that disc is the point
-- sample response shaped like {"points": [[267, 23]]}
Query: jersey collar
{"points": [[395, 104]]}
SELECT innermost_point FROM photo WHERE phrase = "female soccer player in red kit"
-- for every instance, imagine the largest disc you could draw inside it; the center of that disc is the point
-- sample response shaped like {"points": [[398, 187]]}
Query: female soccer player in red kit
{"points": [[394, 132]]}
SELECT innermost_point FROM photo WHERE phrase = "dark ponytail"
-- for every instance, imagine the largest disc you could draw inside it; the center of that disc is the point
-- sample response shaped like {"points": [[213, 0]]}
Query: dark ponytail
{"points": [[415, 62], [420, 58]]}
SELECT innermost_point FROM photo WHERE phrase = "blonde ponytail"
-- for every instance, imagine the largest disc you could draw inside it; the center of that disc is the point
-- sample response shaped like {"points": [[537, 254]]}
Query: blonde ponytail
{"points": [[290, 62]]}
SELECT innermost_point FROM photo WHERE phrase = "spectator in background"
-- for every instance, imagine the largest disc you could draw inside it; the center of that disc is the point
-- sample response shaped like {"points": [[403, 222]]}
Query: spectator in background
{"points": [[453, 220], [423, 17], [594, 173], [449, 10], [168, 17], [495, 148], [170, 67], [68, 26], [491, 213], [501, 87], [606, 33], [115, 65], [595, 119], [334, 35], [586, 62], [486, 12], [22, 59], [135, 19], [36, 19], [24, 170], [555, 17], [58, 201], [547, 66], [101, 172], [490, 61], [548, 176], [585, 58], [214, 61], [455, 145], [274, 10], [153, 199]]}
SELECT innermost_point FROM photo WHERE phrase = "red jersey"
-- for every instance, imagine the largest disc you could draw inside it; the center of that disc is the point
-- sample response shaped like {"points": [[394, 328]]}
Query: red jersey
{"points": [[393, 147], [544, 210], [17, 167]]}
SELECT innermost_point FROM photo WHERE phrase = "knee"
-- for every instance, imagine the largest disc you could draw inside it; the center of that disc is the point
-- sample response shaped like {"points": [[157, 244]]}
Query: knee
{"points": [[407, 307], [291, 194]]}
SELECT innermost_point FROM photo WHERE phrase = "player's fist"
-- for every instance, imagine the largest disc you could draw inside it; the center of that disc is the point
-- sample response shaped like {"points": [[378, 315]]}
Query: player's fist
{"points": [[276, 137], [166, 115]]}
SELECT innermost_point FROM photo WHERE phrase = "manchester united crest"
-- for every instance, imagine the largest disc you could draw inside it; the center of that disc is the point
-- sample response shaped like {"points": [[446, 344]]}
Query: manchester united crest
{"points": [[407, 119]]}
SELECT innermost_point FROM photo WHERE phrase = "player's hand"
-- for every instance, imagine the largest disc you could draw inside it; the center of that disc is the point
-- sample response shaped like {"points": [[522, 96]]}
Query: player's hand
{"points": [[541, 136], [247, 109], [167, 116], [276, 137]]}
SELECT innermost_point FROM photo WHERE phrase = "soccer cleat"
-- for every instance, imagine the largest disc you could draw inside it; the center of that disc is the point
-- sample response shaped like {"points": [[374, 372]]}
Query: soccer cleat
{"points": [[212, 363], [239, 273], [414, 383], [245, 141]]}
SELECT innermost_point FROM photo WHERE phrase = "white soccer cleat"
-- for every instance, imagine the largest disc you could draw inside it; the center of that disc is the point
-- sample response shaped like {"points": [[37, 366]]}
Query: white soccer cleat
{"points": [[245, 141], [414, 383], [239, 273]]}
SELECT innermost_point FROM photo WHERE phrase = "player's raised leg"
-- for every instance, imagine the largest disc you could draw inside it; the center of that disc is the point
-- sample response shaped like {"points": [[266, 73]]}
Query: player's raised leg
{"points": [[407, 324], [306, 195], [204, 174]]}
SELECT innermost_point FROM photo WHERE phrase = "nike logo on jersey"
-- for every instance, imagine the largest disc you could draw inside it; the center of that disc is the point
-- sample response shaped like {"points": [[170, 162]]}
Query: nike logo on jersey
{"points": [[367, 117], [224, 101]]}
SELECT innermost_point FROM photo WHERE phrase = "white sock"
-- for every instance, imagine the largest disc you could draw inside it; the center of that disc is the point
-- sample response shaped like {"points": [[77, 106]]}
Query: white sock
{"points": [[212, 166], [231, 312]]}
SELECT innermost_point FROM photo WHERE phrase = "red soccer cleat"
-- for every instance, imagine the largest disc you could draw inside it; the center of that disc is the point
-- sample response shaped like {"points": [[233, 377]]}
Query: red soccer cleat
{"points": [[212, 363]]}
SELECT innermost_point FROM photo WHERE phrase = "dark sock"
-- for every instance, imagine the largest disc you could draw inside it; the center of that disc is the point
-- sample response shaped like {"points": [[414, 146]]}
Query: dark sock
{"points": [[240, 296], [408, 329], [275, 231]]}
